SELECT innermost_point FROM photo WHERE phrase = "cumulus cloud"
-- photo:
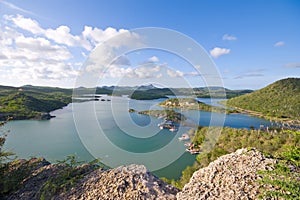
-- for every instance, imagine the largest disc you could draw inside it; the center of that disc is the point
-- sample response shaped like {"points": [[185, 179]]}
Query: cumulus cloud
{"points": [[279, 44], [217, 52], [31, 52], [147, 71], [62, 35], [175, 73], [96, 36], [25, 23], [139, 72], [29, 58], [40, 48], [229, 37], [88, 39], [153, 59]]}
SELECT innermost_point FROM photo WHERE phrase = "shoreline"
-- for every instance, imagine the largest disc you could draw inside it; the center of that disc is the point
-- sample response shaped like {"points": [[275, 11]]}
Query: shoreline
{"points": [[288, 121]]}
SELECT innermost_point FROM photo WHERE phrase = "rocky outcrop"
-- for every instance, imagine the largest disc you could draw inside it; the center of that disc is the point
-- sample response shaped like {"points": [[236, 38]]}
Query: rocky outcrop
{"points": [[232, 176], [43, 180], [125, 182]]}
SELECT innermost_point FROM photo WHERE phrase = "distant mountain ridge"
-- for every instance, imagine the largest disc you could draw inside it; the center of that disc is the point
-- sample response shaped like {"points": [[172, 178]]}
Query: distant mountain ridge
{"points": [[33, 102], [280, 99]]}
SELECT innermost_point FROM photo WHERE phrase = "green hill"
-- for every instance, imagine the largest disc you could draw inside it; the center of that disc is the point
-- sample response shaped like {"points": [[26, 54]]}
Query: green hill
{"points": [[280, 99], [192, 104], [31, 102]]}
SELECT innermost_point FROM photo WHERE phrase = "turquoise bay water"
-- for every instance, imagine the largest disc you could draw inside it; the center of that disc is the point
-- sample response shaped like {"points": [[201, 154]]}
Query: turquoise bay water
{"points": [[106, 130]]}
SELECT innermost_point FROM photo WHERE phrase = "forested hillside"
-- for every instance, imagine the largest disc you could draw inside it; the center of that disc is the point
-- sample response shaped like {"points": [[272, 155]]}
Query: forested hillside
{"points": [[31, 102], [280, 99]]}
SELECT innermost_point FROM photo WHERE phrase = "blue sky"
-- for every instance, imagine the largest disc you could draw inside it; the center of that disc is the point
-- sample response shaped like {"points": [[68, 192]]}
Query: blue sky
{"points": [[252, 43]]}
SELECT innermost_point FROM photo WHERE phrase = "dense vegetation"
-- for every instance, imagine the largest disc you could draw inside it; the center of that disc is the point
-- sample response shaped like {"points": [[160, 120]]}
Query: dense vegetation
{"points": [[192, 104], [31, 102], [269, 142], [285, 177], [67, 177], [4, 156], [280, 100], [146, 95], [170, 115], [151, 92]]}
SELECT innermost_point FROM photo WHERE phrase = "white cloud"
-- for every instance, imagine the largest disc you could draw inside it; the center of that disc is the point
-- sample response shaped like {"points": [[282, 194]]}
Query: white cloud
{"points": [[174, 73], [217, 52], [147, 71], [41, 48], [96, 35], [62, 35], [153, 59], [30, 52], [88, 39], [25, 23], [25, 59], [105, 54], [229, 37], [279, 44], [140, 72]]}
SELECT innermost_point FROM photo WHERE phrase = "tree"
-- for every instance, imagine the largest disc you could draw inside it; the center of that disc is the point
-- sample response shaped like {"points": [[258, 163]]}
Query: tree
{"points": [[4, 155]]}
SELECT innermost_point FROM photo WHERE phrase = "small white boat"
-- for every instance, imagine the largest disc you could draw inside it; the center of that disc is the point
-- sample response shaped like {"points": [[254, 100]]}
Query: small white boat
{"points": [[193, 151], [187, 144], [184, 137], [173, 129]]}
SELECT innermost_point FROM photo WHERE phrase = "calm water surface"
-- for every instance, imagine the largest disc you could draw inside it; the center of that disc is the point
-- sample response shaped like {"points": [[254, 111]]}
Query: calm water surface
{"points": [[138, 134]]}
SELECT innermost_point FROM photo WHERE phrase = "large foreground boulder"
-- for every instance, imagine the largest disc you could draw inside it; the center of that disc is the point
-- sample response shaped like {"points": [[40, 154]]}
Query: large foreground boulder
{"points": [[42, 180], [232, 176], [125, 182]]}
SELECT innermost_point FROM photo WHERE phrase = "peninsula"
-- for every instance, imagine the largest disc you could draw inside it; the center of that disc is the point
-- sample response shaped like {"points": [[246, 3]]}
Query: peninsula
{"points": [[193, 104]]}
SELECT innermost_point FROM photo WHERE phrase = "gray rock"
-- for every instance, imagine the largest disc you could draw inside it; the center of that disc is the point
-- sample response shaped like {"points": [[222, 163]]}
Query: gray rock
{"points": [[232, 176], [125, 182]]}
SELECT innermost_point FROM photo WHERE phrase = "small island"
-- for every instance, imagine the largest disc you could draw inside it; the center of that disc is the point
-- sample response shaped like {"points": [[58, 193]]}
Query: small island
{"points": [[131, 110], [169, 115]]}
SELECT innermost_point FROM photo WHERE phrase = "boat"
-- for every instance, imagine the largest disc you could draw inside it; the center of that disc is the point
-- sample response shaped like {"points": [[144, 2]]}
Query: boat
{"points": [[168, 125], [187, 144], [192, 148], [173, 129], [193, 151], [184, 136]]}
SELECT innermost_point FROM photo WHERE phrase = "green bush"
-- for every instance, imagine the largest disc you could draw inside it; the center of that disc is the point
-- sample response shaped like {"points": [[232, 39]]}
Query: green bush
{"points": [[231, 139], [284, 179]]}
